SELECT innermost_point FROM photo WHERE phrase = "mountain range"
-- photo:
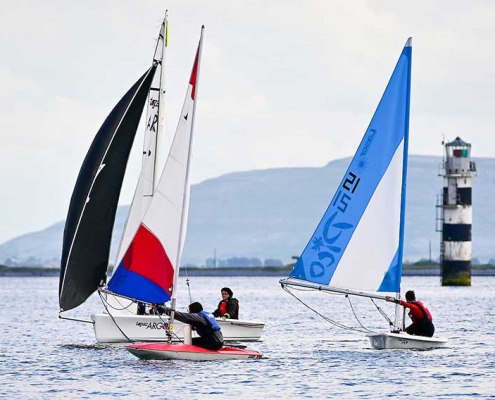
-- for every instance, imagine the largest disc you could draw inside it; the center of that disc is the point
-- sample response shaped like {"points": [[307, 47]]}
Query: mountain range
{"points": [[272, 213]]}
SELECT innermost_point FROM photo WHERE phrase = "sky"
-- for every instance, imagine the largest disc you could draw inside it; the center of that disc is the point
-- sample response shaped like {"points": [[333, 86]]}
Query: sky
{"points": [[282, 84]]}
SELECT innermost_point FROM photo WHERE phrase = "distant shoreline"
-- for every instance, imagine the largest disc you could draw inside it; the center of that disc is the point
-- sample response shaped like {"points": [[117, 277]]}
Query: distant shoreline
{"points": [[409, 270]]}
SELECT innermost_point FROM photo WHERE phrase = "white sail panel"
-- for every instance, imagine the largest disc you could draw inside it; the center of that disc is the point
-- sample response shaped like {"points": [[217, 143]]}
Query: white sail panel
{"points": [[145, 186], [164, 214], [375, 241]]}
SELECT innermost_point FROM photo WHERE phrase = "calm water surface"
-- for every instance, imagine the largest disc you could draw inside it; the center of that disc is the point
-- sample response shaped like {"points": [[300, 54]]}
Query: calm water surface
{"points": [[43, 357]]}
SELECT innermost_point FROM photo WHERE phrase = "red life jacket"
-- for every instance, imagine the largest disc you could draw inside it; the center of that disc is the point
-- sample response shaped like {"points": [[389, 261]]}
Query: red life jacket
{"points": [[423, 315], [223, 308]]}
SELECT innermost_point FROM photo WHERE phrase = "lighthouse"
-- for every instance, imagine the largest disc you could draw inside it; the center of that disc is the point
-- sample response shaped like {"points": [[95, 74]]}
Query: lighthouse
{"points": [[456, 214]]}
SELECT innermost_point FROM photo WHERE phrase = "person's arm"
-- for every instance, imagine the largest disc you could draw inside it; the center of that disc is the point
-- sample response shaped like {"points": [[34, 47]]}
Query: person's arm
{"points": [[216, 313], [187, 318], [397, 301]]}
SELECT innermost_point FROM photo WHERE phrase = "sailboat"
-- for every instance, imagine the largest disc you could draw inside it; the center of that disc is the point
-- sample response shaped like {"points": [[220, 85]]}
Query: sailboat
{"points": [[357, 248], [91, 216], [159, 240]]}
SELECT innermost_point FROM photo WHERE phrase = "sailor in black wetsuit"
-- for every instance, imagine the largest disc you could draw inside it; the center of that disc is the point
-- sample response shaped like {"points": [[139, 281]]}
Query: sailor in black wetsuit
{"points": [[210, 335]]}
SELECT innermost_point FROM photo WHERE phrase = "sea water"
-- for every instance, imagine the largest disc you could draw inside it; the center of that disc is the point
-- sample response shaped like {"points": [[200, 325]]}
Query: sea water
{"points": [[305, 356]]}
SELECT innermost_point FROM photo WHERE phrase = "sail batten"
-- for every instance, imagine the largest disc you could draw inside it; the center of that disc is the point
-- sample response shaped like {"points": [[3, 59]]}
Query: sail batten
{"points": [[91, 215], [358, 243]]}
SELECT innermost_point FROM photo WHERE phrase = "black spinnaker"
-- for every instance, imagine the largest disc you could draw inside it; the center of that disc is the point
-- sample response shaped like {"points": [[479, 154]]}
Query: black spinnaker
{"points": [[91, 215]]}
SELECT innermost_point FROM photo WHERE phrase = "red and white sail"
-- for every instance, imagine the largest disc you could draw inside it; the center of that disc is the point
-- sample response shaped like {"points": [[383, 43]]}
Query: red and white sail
{"points": [[151, 262]]}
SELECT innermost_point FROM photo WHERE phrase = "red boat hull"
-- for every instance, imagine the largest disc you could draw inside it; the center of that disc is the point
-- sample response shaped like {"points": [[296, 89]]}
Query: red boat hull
{"points": [[171, 351]]}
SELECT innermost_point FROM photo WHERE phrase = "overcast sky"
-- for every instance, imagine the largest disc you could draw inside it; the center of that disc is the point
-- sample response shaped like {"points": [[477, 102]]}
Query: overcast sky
{"points": [[283, 83]]}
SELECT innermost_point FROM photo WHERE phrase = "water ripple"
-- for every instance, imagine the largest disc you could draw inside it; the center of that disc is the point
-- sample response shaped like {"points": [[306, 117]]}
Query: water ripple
{"points": [[305, 357]]}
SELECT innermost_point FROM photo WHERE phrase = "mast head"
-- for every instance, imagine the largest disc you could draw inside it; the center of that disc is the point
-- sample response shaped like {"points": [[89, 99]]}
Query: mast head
{"points": [[408, 42]]}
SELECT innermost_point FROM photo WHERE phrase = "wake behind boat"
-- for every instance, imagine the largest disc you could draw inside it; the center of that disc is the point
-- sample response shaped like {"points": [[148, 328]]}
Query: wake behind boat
{"points": [[357, 248]]}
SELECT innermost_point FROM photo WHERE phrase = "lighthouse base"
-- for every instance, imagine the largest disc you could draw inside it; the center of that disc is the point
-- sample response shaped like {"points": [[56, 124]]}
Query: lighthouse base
{"points": [[456, 273]]}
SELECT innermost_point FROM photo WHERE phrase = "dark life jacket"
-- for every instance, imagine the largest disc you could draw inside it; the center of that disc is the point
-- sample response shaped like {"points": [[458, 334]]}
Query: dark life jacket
{"points": [[212, 324]]}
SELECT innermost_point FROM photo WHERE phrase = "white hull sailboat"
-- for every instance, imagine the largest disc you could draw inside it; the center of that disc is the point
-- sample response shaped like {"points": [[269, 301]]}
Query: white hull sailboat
{"points": [[149, 255], [401, 340], [120, 328], [357, 248]]}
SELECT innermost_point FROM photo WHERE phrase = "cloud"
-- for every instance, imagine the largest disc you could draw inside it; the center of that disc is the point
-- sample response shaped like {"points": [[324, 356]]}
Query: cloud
{"points": [[283, 83]]}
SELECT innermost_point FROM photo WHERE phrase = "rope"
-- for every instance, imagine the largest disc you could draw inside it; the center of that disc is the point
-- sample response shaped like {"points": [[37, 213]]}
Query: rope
{"points": [[187, 283], [105, 304], [355, 316], [335, 323], [188, 288], [338, 324], [173, 333], [118, 300], [383, 313], [113, 319]]}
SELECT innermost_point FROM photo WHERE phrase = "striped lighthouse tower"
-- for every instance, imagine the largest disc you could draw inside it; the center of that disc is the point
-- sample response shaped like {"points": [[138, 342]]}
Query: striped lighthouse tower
{"points": [[457, 214]]}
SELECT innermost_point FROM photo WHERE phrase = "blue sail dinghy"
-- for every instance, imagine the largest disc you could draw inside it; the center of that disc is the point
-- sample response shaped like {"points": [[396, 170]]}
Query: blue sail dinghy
{"points": [[358, 245]]}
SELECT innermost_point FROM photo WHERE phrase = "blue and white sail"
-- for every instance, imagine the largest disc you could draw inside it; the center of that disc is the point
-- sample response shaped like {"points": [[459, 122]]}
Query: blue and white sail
{"points": [[359, 242]]}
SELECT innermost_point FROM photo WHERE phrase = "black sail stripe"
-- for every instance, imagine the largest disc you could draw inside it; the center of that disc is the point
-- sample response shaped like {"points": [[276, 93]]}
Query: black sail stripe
{"points": [[89, 225]]}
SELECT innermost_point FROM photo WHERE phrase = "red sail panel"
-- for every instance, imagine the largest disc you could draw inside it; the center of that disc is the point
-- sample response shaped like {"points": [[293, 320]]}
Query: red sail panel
{"points": [[147, 257], [194, 74]]}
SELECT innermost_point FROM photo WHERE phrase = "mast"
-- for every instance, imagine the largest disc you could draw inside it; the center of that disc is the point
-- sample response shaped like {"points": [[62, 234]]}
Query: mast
{"points": [[185, 196], [404, 179], [161, 103]]}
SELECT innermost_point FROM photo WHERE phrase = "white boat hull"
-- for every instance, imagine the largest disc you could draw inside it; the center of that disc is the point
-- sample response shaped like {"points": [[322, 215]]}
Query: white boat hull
{"points": [[165, 351], [387, 340], [152, 328]]}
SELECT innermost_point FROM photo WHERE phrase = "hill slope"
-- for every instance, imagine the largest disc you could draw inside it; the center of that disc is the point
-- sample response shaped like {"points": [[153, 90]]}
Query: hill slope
{"points": [[272, 214]]}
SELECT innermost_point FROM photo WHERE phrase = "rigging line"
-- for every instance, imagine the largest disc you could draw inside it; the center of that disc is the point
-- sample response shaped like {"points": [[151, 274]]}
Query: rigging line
{"points": [[173, 332], [188, 285], [117, 299], [337, 324], [383, 313], [115, 322], [355, 315]]}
